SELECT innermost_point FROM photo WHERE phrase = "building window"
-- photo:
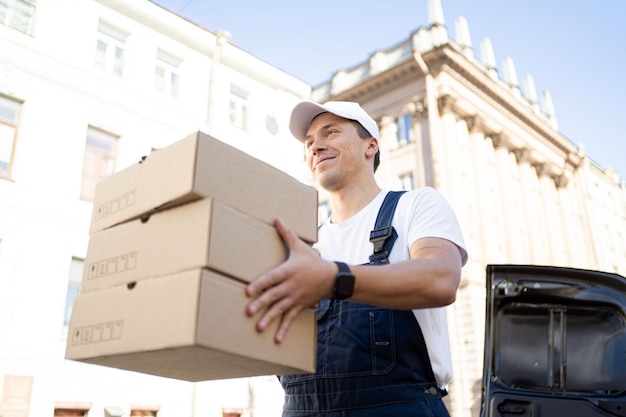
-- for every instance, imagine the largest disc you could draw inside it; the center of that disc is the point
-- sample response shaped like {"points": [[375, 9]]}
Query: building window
{"points": [[68, 412], [143, 413], [110, 47], [238, 111], [9, 115], [406, 181], [323, 212], [16, 395], [73, 288], [166, 74], [71, 409], [403, 133], [18, 14], [232, 412], [99, 160]]}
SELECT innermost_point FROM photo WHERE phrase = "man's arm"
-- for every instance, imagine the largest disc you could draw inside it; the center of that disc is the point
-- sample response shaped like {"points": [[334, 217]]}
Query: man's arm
{"points": [[429, 279]]}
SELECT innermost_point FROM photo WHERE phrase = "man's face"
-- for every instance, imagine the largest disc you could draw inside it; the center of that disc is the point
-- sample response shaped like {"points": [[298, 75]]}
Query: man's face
{"points": [[334, 152]]}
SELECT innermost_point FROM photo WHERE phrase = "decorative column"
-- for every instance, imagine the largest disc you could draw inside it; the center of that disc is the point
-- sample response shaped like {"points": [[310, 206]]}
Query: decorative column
{"points": [[423, 164], [442, 151], [575, 225], [552, 224], [509, 198], [527, 219], [478, 230], [484, 192]]}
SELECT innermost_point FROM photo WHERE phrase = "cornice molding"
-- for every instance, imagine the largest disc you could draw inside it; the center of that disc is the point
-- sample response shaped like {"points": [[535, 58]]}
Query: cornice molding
{"points": [[475, 124], [500, 141], [446, 57]]}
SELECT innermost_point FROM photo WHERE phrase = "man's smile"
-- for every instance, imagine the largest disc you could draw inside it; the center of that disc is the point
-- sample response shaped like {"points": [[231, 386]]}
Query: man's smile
{"points": [[319, 160]]}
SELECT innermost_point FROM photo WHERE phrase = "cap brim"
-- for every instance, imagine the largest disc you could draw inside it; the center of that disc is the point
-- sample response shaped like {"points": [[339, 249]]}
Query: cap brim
{"points": [[301, 117]]}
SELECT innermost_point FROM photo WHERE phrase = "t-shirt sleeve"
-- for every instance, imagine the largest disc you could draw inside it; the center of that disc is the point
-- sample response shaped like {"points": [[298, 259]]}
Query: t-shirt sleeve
{"points": [[432, 216]]}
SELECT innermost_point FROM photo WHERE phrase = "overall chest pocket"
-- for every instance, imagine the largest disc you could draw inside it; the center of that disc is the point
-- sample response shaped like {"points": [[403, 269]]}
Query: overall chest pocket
{"points": [[356, 339]]}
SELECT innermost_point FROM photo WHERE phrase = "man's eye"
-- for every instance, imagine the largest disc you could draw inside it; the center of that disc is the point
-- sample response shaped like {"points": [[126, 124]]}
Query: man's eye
{"points": [[308, 144], [331, 132]]}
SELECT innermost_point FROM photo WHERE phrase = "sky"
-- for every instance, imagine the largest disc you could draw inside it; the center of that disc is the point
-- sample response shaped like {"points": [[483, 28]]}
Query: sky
{"points": [[575, 49]]}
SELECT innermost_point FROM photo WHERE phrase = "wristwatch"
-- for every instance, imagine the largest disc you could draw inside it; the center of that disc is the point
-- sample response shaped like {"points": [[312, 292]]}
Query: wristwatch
{"points": [[344, 282]]}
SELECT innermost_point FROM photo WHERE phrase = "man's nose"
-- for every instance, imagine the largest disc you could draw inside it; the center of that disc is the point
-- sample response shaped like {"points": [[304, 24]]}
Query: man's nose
{"points": [[317, 145]]}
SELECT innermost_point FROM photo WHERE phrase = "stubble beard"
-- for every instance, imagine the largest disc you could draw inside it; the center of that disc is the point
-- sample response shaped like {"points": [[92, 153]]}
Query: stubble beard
{"points": [[330, 181]]}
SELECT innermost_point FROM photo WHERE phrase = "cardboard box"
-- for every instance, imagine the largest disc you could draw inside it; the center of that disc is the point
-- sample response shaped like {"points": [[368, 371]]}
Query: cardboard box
{"points": [[202, 166], [203, 234], [190, 326]]}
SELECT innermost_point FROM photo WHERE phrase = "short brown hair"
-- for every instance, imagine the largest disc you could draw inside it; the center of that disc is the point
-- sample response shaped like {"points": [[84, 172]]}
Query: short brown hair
{"points": [[364, 134]]}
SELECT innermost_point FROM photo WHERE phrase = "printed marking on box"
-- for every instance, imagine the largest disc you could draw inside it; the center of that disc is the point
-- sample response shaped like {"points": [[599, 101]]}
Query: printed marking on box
{"points": [[96, 333], [117, 204], [113, 265]]}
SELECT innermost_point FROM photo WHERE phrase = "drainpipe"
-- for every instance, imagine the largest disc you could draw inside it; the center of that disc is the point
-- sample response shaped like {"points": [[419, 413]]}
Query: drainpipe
{"points": [[221, 39]]}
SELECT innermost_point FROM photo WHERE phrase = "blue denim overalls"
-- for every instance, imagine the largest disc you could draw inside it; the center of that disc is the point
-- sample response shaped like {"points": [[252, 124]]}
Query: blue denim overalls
{"points": [[371, 361]]}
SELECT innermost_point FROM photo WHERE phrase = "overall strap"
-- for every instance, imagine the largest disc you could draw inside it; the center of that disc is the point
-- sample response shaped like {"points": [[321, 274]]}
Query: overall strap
{"points": [[383, 236]]}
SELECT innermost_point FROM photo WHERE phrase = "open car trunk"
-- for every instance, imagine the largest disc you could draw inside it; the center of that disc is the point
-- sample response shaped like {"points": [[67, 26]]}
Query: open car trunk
{"points": [[555, 343]]}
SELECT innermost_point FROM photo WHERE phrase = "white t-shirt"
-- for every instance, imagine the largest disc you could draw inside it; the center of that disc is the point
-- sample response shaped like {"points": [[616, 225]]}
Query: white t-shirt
{"points": [[420, 213]]}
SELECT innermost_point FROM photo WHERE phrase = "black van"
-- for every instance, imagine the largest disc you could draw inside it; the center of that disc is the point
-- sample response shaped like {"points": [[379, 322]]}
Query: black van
{"points": [[555, 343]]}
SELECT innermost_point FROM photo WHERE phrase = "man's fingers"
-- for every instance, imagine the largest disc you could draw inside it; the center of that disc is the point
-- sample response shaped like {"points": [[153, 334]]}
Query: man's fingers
{"points": [[272, 293], [289, 237], [285, 323], [274, 311], [263, 297], [264, 282]]}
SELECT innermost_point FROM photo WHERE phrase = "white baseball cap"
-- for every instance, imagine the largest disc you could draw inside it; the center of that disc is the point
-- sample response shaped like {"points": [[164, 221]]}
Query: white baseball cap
{"points": [[305, 112]]}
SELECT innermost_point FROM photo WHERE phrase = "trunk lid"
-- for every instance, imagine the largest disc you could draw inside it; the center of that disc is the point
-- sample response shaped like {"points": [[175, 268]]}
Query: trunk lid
{"points": [[555, 342]]}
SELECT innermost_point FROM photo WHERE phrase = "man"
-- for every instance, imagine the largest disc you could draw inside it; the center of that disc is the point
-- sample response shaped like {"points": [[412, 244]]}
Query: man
{"points": [[382, 338]]}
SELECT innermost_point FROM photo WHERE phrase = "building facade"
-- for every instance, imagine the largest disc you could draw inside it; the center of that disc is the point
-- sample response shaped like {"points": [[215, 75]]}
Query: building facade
{"points": [[88, 87]]}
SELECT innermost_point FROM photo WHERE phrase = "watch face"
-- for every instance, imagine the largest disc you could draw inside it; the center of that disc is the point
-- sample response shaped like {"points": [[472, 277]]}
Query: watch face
{"points": [[344, 285], [344, 282]]}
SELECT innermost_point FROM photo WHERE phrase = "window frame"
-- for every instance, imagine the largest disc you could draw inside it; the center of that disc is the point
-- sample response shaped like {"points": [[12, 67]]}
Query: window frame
{"points": [[407, 177], [13, 13], [323, 211], [404, 129], [114, 41], [238, 105], [87, 192], [170, 80], [143, 412], [75, 277], [71, 409], [11, 124]]}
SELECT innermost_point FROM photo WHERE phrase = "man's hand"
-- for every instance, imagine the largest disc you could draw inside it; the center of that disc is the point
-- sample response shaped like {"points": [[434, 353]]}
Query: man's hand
{"points": [[298, 283]]}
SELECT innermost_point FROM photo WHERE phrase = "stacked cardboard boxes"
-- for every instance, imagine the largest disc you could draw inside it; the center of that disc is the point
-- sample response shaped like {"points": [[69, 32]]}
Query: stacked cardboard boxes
{"points": [[173, 242]]}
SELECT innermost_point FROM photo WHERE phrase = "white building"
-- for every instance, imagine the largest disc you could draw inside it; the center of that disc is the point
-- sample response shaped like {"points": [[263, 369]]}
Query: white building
{"points": [[88, 87]]}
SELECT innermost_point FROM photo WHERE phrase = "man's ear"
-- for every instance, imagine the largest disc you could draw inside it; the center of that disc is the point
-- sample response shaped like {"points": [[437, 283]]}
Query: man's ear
{"points": [[372, 147]]}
